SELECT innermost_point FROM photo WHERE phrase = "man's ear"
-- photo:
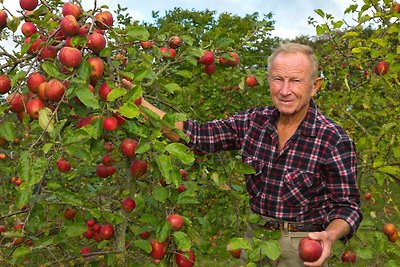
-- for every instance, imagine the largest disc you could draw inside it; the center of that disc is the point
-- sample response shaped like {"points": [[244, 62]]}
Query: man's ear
{"points": [[317, 85]]}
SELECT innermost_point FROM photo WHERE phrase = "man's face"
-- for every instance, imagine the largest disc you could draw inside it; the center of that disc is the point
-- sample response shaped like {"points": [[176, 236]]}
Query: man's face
{"points": [[291, 87]]}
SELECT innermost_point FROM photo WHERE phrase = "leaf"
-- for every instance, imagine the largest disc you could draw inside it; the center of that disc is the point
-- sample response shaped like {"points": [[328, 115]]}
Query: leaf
{"points": [[392, 170], [181, 151], [50, 69], [78, 136], [185, 73], [46, 121], [160, 194], [20, 252], [129, 110], [23, 196], [58, 127], [74, 230], [116, 93], [163, 231], [187, 197], [165, 166], [244, 168], [68, 197], [138, 33], [172, 87], [37, 170], [143, 245], [239, 243], [271, 249], [84, 70], [364, 253], [7, 131], [182, 241], [141, 74], [24, 166], [86, 97], [320, 12]]}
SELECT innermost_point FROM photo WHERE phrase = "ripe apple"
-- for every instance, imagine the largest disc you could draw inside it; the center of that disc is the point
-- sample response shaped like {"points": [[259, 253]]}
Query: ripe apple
{"points": [[389, 229], [176, 221], [85, 121], [69, 213], [107, 160], [138, 101], [128, 204], [63, 165], [104, 90], [396, 7], [89, 233], [85, 250], [110, 123], [28, 4], [71, 9], [34, 80], [367, 196], [28, 28], [104, 171], [393, 238], [33, 106], [69, 25], [128, 147], [2, 229], [309, 249], [84, 29], [349, 256], [147, 44], [96, 42], [144, 235], [251, 81], [5, 84], [17, 101], [18, 182], [236, 253], [109, 146], [90, 223], [35, 45], [228, 61], [175, 42], [210, 69], [185, 259], [181, 188], [168, 52], [97, 65], [70, 57], [96, 227], [158, 249], [183, 174], [138, 168], [107, 231], [104, 20], [48, 52], [54, 90], [3, 19], [207, 58], [381, 68]]}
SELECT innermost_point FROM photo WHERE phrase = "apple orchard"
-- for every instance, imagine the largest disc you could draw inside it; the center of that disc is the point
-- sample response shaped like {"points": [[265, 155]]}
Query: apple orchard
{"points": [[86, 175]]}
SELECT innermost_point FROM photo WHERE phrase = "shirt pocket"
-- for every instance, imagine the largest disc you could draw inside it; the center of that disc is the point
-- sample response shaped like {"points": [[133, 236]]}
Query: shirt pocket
{"points": [[297, 187], [254, 182]]}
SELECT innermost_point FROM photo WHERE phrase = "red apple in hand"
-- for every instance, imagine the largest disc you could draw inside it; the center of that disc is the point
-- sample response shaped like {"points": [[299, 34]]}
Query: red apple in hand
{"points": [[185, 259], [176, 221], [309, 249]]}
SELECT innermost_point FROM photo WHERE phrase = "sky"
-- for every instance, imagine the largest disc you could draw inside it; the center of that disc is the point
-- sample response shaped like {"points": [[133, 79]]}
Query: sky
{"points": [[290, 16]]}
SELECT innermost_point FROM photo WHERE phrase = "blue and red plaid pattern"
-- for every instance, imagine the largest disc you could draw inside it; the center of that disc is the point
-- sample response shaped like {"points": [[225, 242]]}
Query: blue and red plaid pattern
{"points": [[313, 178]]}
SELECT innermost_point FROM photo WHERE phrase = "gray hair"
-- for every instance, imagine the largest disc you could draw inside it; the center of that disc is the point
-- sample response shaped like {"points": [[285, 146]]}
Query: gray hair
{"points": [[296, 47]]}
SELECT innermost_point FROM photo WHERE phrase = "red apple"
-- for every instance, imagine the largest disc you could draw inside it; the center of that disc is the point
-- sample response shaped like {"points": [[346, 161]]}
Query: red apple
{"points": [[207, 58], [393, 238], [183, 174], [147, 44], [251, 81], [229, 61], [107, 231], [28, 28], [48, 52], [396, 7], [367, 196], [309, 249], [107, 160], [70, 57], [104, 20], [96, 227], [71, 9], [128, 204], [349, 256], [84, 30], [85, 121], [96, 42], [69, 213], [110, 123], [381, 68], [104, 90], [5, 84], [85, 250], [41, 91], [54, 90], [158, 249], [138, 168], [175, 42], [90, 223], [181, 188], [185, 259], [2, 229], [109, 146], [176, 221], [35, 45], [97, 65], [28, 4], [235, 253], [104, 171], [210, 69], [33, 106], [144, 235], [34, 80], [17, 102], [389, 229], [138, 101], [168, 52], [128, 147], [69, 25], [3, 19], [63, 165]]}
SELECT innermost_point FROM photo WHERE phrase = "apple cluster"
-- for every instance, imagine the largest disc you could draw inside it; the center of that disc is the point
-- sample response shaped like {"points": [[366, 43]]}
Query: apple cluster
{"points": [[391, 232]]}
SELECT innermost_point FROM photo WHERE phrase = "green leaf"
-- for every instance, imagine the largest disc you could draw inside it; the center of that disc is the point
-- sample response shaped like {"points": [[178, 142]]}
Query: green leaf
{"points": [[172, 87], [165, 166], [24, 166], [320, 12], [74, 230], [84, 69], [143, 245], [271, 249], [23, 195], [129, 110], [364, 253], [46, 121], [185, 73], [244, 168], [138, 33], [14, 23], [187, 197], [392, 170], [7, 131], [68, 197], [51, 69], [37, 170], [141, 74], [181, 151], [86, 96], [116, 93], [163, 231], [58, 127], [160, 194], [20, 252], [182, 241], [78, 136], [239, 243]]}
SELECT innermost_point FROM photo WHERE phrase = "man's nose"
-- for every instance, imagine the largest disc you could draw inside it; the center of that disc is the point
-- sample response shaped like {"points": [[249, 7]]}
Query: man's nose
{"points": [[285, 88]]}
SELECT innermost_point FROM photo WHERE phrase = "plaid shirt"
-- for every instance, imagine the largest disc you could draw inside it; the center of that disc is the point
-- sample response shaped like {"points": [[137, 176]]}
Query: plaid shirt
{"points": [[313, 178]]}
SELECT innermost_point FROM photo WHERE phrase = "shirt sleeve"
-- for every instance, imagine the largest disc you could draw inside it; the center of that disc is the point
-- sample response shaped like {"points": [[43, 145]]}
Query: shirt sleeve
{"points": [[341, 182]]}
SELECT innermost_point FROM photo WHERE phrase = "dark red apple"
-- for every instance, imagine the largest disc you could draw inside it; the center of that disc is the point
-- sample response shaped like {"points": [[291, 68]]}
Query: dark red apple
{"points": [[69, 213], [176, 221], [181, 188], [104, 171], [28, 28], [2, 229], [251, 81], [70, 57], [71, 9], [104, 90], [109, 146], [3, 19], [128, 204], [63, 165], [138, 168], [210, 69], [85, 250], [33, 106], [5, 84], [28, 4], [349, 256], [107, 231], [54, 90], [158, 249], [309, 249], [185, 259], [107, 160], [110, 123], [144, 235], [104, 20], [128, 147], [175, 42], [34, 80], [235, 253], [207, 58], [85, 121], [48, 52], [381, 68], [96, 42], [367, 196]]}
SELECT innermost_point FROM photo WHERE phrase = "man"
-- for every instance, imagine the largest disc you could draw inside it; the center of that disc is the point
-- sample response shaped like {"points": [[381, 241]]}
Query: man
{"points": [[305, 164]]}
